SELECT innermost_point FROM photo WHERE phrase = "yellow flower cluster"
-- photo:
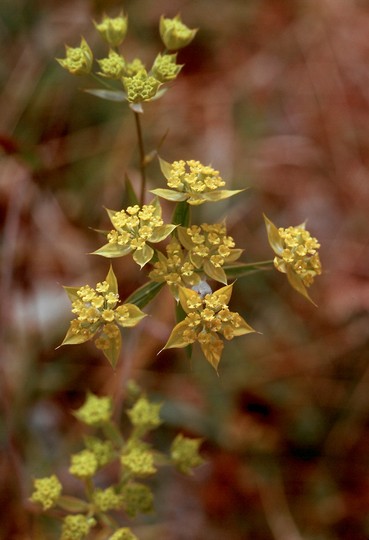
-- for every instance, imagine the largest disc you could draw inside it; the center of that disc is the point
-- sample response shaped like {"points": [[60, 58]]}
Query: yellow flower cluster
{"points": [[175, 34], [192, 182], [300, 253], [205, 319], [184, 453], [76, 527], [107, 499], [145, 415], [165, 67], [83, 464], [46, 491], [112, 67], [175, 268], [138, 461], [78, 60], [137, 498], [113, 29], [141, 87], [124, 533], [95, 410], [134, 228]]}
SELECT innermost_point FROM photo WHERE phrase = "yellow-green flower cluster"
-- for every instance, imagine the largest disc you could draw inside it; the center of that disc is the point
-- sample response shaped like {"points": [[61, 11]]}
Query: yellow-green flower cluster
{"points": [[141, 87], [113, 30], [78, 60], [123, 534], [137, 498], [205, 319], [107, 499], [76, 527], [296, 254], [83, 464], [145, 415], [95, 410], [184, 453], [98, 314], [112, 67], [175, 34], [165, 68], [134, 229], [138, 461], [46, 491], [209, 248], [192, 182], [175, 268], [102, 450]]}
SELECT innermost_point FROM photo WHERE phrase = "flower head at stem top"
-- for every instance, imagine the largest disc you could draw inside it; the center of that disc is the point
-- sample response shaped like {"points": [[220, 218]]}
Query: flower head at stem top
{"points": [[206, 318], [296, 255], [175, 34], [100, 314], [192, 182], [134, 229], [78, 60], [113, 29]]}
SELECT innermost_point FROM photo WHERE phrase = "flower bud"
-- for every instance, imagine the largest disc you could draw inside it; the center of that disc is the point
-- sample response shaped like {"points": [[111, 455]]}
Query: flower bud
{"points": [[78, 60], [113, 30], [174, 33]]}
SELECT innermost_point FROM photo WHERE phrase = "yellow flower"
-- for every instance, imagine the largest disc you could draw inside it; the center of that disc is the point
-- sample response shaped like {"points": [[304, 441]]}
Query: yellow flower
{"points": [[99, 315], [206, 317], [112, 67], [134, 228], [113, 30], [296, 255], [175, 34], [46, 491], [141, 87], [165, 68], [78, 60], [192, 182]]}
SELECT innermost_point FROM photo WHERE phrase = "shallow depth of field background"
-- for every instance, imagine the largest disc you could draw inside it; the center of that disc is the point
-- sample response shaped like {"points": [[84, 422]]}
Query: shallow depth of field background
{"points": [[274, 94]]}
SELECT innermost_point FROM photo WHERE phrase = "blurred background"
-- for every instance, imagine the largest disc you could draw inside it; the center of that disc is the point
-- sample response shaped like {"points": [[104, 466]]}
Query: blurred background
{"points": [[274, 94]]}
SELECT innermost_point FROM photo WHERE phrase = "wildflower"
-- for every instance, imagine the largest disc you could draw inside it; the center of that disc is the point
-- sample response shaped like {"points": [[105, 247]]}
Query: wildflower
{"points": [[192, 182], [107, 499], [102, 450], [113, 30], [123, 533], [184, 453], [112, 67], [134, 228], [78, 60], [98, 314], [209, 248], [76, 527], [46, 491], [145, 415], [95, 410], [134, 67], [165, 68], [83, 464], [175, 34], [141, 87], [175, 268], [296, 255], [137, 498], [206, 318], [138, 461]]}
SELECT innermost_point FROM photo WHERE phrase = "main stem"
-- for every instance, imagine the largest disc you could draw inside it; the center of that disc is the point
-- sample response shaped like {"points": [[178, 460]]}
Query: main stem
{"points": [[142, 157]]}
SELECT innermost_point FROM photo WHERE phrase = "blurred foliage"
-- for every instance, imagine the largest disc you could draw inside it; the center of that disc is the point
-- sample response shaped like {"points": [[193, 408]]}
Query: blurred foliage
{"points": [[273, 94]]}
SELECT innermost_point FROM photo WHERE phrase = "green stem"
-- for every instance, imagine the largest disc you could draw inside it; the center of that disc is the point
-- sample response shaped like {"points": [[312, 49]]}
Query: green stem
{"points": [[142, 157], [101, 81]]}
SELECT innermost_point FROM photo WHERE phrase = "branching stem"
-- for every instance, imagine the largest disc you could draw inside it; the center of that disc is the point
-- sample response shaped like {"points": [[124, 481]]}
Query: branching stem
{"points": [[142, 157]]}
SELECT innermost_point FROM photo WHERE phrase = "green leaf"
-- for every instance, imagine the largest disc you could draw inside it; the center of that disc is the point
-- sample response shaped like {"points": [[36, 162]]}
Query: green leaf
{"points": [[74, 339], [135, 316], [143, 256], [170, 194], [234, 255], [221, 194], [112, 281], [185, 238], [227, 291], [296, 282], [113, 352], [180, 316], [176, 340], [112, 251], [143, 295], [72, 293], [275, 240], [239, 270], [188, 294], [162, 232], [166, 168], [212, 350], [216, 273], [181, 214], [109, 95]]}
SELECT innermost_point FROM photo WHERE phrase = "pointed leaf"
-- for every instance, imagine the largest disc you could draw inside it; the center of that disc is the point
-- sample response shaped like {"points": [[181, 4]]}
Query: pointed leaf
{"points": [[181, 214], [227, 291], [112, 251], [112, 281], [216, 273], [234, 255], [160, 233], [109, 95], [186, 295], [113, 352], [166, 168], [135, 316], [274, 238], [72, 293], [185, 238], [72, 338], [221, 194], [212, 350], [143, 295], [143, 256], [180, 316], [296, 282], [170, 194], [176, 340]]}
